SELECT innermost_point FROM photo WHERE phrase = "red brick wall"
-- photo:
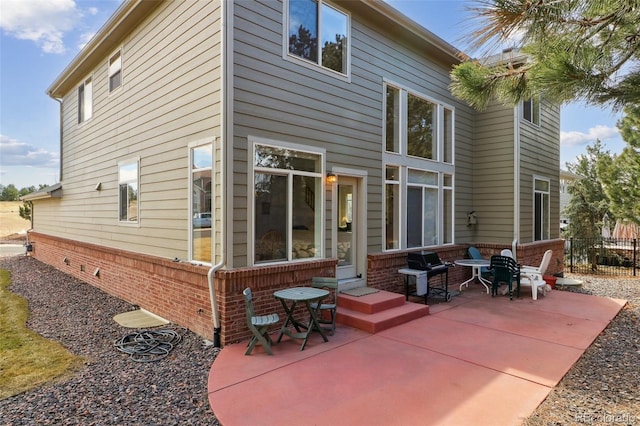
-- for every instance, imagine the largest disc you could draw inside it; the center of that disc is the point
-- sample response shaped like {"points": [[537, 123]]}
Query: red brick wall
{"points": [[382, 271], [179, 291], [176, 291]]}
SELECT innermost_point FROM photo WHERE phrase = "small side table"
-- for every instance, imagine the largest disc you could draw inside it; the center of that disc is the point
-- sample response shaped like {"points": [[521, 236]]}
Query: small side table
{"points": [[289, 298]]}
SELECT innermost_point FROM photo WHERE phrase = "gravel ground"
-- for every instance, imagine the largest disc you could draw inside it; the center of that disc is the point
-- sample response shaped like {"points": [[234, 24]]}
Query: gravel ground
{"points": [[602, 388], [110, 389]]}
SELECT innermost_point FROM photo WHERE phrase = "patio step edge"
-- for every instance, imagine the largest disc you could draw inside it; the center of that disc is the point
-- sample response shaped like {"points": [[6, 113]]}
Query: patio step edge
{"points": [[371, 303], [379, 321]]}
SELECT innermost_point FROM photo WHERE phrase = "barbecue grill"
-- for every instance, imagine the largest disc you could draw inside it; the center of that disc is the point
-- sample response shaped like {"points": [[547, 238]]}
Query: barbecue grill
{"points": [[430, 262]]}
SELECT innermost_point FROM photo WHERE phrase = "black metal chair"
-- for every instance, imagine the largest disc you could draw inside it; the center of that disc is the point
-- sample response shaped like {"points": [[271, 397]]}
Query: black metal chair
{"points": [[505, 270]]}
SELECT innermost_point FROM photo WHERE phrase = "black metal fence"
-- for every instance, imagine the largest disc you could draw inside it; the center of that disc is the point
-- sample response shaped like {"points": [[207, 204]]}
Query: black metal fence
{"points": [[602, 256]]}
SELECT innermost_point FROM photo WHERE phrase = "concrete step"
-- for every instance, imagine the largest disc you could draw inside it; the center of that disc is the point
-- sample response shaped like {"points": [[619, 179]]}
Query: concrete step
{"points": [[378, 311]]}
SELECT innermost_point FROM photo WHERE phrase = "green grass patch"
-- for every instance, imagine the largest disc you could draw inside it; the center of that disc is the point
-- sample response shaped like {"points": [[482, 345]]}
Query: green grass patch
{"points": [[27, 360]]}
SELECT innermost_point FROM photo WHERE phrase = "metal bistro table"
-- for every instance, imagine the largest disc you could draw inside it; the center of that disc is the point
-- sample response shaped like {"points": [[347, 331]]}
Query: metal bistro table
{"points": [[476, 266], [306, 295]]}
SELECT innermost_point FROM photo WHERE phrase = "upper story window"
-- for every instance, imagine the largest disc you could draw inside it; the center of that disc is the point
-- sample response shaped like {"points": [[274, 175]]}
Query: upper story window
{"points": [[318, 33], [417, 126], [85, 100], [115, 71], [531, 110], [128, 191]]}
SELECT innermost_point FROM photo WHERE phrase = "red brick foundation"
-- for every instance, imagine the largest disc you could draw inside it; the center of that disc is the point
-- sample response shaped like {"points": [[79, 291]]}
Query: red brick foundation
{"points": [[179, 291]]}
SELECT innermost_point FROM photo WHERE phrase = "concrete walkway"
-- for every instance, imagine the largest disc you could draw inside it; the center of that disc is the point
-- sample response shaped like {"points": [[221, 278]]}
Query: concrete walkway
{"points": [[476, 360]]}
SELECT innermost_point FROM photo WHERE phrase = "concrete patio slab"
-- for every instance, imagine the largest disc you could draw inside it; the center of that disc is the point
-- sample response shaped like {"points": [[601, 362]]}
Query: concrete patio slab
{"points": [[477, 360]]}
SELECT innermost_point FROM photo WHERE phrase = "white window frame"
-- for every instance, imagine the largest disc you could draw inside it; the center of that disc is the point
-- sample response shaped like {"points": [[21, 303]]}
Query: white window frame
{"points": [[253, 143], [85, 100], [545, 233], [127, 181], [113, 69], [534, 111], [192, 146], [404, 162], [318, 65]]}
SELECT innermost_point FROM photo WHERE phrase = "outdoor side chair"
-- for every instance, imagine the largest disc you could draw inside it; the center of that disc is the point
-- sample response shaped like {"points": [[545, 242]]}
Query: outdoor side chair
{"points": [[474, 253], [331, 306], [259, 325], [505, 270]]}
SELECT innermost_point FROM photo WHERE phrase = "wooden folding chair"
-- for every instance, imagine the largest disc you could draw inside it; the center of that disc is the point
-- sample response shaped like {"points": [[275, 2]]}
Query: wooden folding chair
{"points": [[259, 325]]}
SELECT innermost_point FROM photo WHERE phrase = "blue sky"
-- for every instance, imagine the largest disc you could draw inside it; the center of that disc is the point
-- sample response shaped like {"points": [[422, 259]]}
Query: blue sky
{"points": [[38, 39]]}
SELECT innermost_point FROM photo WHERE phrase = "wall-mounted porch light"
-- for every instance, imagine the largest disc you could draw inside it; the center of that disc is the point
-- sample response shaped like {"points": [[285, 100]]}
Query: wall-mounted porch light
{"points": [[331, 177]]}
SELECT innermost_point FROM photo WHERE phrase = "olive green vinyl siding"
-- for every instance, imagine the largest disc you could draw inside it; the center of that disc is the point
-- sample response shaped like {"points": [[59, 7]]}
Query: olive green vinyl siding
{"points": [[170, 97], [282, 100], [493, 164], [540, 157]]}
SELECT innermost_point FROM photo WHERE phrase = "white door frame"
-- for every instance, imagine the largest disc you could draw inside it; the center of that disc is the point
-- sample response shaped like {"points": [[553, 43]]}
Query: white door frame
{"points": [[360, 193]]}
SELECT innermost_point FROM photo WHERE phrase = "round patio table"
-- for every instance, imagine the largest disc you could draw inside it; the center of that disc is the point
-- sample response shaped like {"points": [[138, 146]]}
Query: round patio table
{"points": [[290, 297], [475, 265]]}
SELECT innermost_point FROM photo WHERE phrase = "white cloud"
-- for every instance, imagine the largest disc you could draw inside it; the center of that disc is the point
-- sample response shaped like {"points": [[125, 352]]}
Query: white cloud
{"points": [[575, 138], [16, 153], [44, 22]]}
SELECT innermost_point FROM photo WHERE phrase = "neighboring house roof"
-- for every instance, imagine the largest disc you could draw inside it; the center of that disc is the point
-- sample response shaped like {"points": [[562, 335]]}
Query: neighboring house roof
{"points": [[568, 175], [132, 12], [53, 191]]}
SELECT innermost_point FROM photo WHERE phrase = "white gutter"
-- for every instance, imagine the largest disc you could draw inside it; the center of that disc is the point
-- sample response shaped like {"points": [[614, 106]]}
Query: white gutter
{"points": [[225, 130]]}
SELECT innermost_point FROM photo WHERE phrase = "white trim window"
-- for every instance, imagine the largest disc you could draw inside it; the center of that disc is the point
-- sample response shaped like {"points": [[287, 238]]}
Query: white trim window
{"points": [[200, 169], [85, 100], [287, 202], [115, 71], [419, 171], [531, 110], [128, 194], [392, 207], [318, 33], [541, 209]]}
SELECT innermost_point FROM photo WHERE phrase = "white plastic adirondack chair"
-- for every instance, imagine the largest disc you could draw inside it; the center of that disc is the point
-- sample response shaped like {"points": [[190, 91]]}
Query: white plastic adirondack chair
{"points": [[532, 275]]}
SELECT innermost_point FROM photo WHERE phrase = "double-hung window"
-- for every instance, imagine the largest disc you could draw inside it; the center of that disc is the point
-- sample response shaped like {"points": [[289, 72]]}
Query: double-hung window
{"points": [[128, 177], [318, 32], [541, 208], [287, 202], [85, 100], [201, 161], [115, 71], [419, 171]]}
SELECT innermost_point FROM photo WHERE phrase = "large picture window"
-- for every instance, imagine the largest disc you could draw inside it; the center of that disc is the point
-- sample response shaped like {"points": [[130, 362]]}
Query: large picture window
{"points": [[318, 33], [128, 191], [541, 195], [419, 142], [287, 204], [201, 160]]}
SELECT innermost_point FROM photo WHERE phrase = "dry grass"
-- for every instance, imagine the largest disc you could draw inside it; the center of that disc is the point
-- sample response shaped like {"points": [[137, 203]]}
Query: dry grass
{"points": [[27, 359], [12, 226]]}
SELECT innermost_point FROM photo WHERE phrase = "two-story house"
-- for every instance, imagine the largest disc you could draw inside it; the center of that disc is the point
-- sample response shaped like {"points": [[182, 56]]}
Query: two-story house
{"points": [[209, 146]]}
